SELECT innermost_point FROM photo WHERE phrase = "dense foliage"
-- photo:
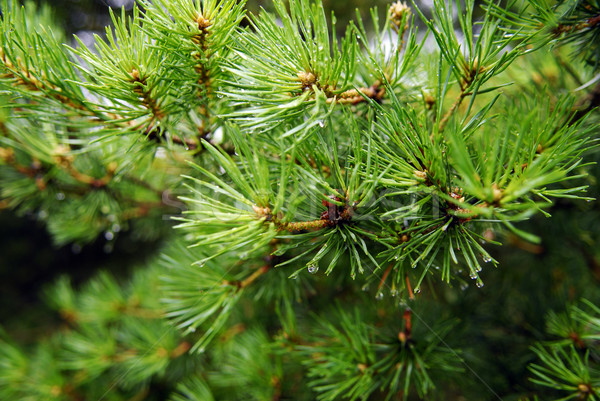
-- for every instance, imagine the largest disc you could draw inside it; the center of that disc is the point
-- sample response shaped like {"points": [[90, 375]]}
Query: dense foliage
{"points": [[328, 207]]}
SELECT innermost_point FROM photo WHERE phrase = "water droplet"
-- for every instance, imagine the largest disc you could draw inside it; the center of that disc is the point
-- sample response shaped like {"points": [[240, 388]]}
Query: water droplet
{"points": [[464, 286], [417, 290], [487, 258], [321, 123], [76, 248], [116, 227], [243, 255], [42, 214], [108, 248], [313, 268], [365, 287], [479, 283], [217, 136], [60, 196], [473, 276], [394, 292], [201, 350], [192, 329], [379, 296], [109, 235]]}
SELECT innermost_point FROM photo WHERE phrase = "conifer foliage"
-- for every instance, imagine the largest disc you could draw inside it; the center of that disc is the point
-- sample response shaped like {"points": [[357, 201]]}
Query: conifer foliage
{"points": [[321, 199]]}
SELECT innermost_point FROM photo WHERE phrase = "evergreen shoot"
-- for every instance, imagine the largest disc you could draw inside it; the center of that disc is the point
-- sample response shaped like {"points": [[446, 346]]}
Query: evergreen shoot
{"points": [[325, 205]]}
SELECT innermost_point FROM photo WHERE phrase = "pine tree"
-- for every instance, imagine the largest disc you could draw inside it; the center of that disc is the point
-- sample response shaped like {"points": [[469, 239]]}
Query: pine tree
{"points": [[328, 207]]}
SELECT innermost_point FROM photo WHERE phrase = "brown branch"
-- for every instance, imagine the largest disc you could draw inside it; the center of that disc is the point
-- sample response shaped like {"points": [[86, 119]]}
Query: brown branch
{"points": [[566, 28], [385, 275], [149, 102], [334, 215], [65, 161], [266, 213], [250, 279], [191, 144], [27, 78], [304, 225], [188, 143], [406, 333], [468, 77], [204, 79], [451, 111], [411, 294], [180, 350], [353, 96], [157, 114]]}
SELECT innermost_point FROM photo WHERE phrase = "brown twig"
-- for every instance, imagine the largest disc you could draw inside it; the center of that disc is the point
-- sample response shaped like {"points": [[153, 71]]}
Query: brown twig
{"points": [[304, 225], [24, 76], [187, 143], [451, 111], [353, 96], [406, 333], [180, 350], [411, 294], [28, 78], [65, 161], [204, 79], [251, 278], [149, 102], [384, 277], [333, 216], [566, 28]]}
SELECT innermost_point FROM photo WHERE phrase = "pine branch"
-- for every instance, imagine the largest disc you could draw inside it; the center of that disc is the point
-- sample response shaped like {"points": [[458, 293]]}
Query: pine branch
{"points": [[321, 166]]}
